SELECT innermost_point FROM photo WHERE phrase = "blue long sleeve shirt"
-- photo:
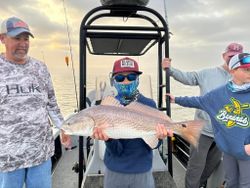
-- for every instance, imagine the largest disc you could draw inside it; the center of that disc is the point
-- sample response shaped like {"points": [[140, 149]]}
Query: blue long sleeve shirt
{"points": [[129, 155], [229, 112], [207, 80]]}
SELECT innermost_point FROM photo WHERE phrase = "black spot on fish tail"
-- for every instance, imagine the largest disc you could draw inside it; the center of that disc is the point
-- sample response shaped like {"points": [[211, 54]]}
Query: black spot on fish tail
{"points": [[183, 125]]}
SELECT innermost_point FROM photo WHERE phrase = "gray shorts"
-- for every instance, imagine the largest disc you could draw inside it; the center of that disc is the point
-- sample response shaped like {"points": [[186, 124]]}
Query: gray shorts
{"points": [[121, 180]]}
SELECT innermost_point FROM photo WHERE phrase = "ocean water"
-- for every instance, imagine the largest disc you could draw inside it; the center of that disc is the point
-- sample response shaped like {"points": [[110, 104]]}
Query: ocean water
{"points": [[66, 96]]}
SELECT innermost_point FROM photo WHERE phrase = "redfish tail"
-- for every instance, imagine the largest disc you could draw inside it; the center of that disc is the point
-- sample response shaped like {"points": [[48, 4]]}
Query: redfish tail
{"points": [[190, 131]]}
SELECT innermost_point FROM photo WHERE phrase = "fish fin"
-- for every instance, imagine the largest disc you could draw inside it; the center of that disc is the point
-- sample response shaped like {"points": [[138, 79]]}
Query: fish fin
{"points": [[151, 140], [110, 101], [190, 130], [149, 111]]}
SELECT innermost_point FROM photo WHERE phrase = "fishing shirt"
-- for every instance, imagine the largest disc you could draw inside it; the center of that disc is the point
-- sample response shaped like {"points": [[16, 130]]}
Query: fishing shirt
{"points": [[27, 99], [230, 115], [207, 80], [129, 155]]}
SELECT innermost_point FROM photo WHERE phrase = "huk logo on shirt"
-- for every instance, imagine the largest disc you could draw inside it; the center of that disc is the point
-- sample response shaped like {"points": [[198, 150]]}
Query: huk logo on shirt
{"points": [[17, 89], [232, 114]]}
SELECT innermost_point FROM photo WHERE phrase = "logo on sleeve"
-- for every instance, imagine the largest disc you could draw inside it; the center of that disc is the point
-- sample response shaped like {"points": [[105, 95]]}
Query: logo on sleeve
{"points": [[232, 114]]}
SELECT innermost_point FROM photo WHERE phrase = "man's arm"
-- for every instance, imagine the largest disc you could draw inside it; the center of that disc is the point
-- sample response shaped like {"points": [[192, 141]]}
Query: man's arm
{"points": [[187, 78], [191, 102], [54, 111], [52, 106]]}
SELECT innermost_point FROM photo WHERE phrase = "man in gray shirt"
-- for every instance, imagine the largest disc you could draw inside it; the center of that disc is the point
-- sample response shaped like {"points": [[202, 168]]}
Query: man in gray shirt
{"points": [[204, 159], [27, 101]]}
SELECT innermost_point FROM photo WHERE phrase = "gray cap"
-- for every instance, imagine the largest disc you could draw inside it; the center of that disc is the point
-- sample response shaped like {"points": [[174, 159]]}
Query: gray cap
{"points": [[14, 26]]}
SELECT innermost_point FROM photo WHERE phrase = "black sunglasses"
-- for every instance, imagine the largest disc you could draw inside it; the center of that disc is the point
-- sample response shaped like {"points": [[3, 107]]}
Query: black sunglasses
{"points": [[121, 77]]}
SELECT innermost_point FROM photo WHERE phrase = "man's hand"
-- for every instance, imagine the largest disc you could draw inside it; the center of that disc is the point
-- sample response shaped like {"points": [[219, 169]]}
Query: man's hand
{"points": [[162, 132], [166, 63], [99, 134], [247, 149], [172, 98], [65, 140]]}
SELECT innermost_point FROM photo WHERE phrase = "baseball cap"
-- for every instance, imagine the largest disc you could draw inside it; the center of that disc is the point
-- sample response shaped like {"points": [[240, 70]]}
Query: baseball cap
{"points": [[125, 65], [233, 49], [14, 26], [239, 61]]}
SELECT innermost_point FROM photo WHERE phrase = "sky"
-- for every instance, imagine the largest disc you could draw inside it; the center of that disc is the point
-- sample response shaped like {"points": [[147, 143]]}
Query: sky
{"points": [[201, 29]]}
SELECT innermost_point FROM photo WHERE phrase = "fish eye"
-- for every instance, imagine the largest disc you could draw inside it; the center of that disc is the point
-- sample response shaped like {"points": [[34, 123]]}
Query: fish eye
{"points": [[183, 125]]}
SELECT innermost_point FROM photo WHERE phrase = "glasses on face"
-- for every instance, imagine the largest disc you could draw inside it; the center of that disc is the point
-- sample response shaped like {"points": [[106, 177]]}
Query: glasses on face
{"points": [[243, 61], [121, 77]]}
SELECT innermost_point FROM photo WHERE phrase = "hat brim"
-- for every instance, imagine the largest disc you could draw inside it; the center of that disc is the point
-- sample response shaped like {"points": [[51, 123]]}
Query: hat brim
{"points": [[18, 31], [231, 53], [245, 66]]}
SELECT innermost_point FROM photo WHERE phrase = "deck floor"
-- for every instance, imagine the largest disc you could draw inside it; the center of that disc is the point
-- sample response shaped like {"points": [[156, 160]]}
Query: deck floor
{"points": [[64, 177]]}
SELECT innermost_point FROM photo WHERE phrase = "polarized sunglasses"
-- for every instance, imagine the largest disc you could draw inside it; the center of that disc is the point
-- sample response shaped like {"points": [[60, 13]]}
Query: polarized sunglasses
{"points": [[243, 61], [121, 77]]}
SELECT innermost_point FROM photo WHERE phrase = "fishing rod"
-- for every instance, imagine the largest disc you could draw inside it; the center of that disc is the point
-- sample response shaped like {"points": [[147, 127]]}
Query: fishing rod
{"points": [[71, 55], [168, 107], [165, 10]]}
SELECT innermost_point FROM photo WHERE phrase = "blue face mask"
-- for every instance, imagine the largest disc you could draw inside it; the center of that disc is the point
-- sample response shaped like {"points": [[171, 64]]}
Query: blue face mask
{"points": [[127, 90], [238, 88]]}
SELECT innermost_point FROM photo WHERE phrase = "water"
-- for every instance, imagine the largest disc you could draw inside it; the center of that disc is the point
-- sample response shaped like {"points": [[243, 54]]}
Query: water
{"points": [[66, 97]]}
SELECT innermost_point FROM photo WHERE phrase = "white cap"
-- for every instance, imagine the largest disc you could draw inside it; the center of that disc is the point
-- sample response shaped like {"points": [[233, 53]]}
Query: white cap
{"points": [[239, 61]]}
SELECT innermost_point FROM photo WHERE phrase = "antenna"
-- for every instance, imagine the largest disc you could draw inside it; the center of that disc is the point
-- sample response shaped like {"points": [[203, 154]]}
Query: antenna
{"points": [[71, 54], [166, 16], [165, 11]]}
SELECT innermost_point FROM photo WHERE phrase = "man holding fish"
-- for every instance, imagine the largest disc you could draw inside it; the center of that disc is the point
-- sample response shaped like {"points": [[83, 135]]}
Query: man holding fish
{"points": [[128, 161], [131, 126]]}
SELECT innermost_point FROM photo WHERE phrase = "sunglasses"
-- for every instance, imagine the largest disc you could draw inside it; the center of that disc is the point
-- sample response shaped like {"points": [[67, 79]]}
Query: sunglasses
{"points": [[121, 77], [243, 61]]}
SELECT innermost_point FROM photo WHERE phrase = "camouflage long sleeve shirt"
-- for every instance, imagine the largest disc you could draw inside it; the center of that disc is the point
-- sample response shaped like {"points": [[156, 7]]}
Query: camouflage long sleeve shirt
{"points": [[27, 100]]}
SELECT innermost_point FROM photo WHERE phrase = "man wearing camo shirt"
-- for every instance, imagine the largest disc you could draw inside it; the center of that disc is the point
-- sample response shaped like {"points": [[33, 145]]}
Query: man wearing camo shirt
{"points": [[27, 100]]}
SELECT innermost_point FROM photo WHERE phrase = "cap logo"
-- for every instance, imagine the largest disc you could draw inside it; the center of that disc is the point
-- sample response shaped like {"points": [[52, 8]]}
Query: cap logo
{"points": [[20, 24], [17, 25], [127, 63]]}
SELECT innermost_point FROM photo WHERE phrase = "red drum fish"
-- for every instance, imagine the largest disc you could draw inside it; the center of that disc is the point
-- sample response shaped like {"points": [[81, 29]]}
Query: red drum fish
{"points": [[126, 122]]}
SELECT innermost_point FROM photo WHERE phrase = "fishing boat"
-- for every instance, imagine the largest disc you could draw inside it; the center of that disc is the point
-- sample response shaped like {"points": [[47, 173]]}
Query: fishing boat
{"points": [[170, 160]]}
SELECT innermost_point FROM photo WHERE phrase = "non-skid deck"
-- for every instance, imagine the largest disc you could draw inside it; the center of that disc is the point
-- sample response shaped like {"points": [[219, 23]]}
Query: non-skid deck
{"points": [[64, 177]]}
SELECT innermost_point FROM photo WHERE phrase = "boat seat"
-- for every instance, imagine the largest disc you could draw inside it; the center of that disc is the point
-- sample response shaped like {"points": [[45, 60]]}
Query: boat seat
{"points": [[96, 166]]}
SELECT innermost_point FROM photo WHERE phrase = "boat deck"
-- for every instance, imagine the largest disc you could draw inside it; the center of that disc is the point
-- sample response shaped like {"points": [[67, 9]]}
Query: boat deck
{"points": [[64, 177]]}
